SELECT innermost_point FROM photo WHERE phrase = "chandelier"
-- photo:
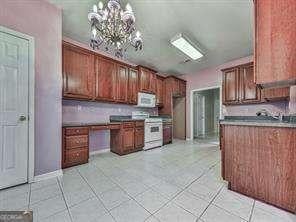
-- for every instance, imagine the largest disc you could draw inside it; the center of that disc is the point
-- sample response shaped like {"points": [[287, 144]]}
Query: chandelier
{"points": [[114, 28]]}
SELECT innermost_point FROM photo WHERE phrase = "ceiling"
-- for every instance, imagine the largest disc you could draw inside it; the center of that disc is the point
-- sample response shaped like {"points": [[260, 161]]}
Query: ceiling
{"points": [[222, 29]]}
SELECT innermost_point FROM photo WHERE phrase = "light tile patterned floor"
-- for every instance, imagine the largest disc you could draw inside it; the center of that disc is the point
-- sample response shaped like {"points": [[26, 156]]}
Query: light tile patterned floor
{"points": [[177, 183]]}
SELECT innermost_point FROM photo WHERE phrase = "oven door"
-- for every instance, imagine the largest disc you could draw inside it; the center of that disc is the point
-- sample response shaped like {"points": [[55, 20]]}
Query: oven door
{"points": [[153, 132]]}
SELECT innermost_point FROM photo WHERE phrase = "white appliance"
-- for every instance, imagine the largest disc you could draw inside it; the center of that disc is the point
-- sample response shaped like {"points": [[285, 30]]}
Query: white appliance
{"points": [[146, 100], [153, 130]]}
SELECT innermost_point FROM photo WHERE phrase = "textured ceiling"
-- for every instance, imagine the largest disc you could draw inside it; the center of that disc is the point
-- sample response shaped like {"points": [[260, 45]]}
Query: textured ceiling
{"points": [[222, 28]]}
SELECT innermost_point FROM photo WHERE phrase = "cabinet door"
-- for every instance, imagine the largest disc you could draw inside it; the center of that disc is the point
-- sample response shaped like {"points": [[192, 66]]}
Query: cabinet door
{"points": [[78, 73], [139, 137], [159, 91], [275, 46], [167, 134], [231, 86], [182, 88], [152, 83], [122, 83], [133, 86], [276, 94], [105, 79], [144, 82], [250, 92], [176, 87], [128, 139]]}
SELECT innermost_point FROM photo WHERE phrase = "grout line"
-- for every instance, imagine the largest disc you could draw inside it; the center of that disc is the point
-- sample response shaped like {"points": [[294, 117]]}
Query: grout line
{"points": [[125, 192], [108, 212], [252, 211], [210, 203], [30, 191], [63, 195]]}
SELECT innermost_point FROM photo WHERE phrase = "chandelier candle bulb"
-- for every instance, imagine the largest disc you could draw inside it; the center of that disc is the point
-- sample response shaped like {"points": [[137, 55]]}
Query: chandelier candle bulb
{"points": [[95, 8], [128, 7], [100, 5], [94, 32]]}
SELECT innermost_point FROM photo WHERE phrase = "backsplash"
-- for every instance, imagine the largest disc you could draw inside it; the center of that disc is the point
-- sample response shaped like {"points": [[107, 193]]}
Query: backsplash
{"points": [[84, 111], [251, 109]]}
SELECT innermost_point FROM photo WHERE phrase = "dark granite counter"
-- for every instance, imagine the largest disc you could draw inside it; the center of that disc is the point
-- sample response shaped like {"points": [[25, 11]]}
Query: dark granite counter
{"points": [[288, 121], [122, 119], [77, 124]]}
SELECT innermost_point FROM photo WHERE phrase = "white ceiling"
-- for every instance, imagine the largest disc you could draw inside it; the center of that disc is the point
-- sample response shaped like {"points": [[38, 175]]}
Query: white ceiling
{"points": [[222, 28]]}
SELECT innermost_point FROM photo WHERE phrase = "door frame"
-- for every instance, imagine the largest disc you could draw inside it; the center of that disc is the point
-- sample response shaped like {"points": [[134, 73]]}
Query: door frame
{"points": [[31, 98], [191, 105], [197, 113]]}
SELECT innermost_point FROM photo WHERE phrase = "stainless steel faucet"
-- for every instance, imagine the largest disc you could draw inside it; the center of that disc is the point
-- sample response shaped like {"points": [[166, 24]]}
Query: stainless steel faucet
{"points": [[265, 112]]}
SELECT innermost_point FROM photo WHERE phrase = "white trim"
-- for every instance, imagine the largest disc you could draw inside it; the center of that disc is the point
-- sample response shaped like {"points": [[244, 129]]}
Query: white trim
{"points": [[31, 120], [191, 105], [93, 153], [46, 176]]}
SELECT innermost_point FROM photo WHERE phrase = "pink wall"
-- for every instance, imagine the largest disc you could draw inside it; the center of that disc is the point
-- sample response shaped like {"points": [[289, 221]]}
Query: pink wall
{"points": [[90, 112], [43, 21], [213, 77]]}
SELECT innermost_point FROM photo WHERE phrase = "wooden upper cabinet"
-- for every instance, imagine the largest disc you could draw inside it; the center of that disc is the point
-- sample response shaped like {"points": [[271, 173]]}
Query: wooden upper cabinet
{"points": [[182, 88], [105, 79], [133, 87], [144, 80], [275, 45], [122, 84], [147, 80], [231, 86], [250, 92], [78, 72], [275, 94], [159, 91]]}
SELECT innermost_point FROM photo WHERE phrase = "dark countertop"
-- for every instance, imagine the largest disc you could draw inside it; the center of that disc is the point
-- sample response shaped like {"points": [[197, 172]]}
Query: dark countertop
{"points": [[288, 121], [77, 124], [123, 119]]}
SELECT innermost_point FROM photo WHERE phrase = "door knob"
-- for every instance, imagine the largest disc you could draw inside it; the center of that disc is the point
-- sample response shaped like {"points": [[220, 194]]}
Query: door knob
{"points": [[22, 118]]}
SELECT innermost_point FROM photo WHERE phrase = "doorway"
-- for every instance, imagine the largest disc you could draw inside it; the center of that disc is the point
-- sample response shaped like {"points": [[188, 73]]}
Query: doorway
{"points": [[16, 106], [206, 114]]}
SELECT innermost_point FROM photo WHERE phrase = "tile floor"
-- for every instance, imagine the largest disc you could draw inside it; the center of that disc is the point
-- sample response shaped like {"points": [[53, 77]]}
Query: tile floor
{"points": [[177, 183]]}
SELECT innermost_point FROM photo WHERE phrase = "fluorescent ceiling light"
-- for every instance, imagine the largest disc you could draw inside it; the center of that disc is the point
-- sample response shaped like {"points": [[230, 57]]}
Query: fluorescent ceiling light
{"points": [[186, 47]]}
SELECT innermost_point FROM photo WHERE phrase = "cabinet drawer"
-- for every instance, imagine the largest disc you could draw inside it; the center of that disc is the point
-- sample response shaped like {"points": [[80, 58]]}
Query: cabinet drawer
{"points": [[76, 131], [76, 141], [114, 126], [139, 123], [102, 127], [128, 124], [77, 156]]}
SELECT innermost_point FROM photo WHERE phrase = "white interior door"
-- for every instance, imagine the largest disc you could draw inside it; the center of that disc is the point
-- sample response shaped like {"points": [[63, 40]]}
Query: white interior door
{"points": [[200, 115], [14, 74]]}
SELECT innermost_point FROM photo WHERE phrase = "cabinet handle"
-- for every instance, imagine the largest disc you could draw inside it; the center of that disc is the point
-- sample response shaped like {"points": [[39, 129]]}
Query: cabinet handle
{"points": [[77, 131], [77, 154]]}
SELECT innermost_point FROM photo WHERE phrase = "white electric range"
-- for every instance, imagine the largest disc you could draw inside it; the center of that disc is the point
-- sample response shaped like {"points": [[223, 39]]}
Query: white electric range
{"points": [[153, 130]]}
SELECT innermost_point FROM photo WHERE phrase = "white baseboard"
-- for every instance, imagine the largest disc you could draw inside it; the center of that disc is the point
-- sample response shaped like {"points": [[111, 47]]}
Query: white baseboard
{"points": [[99, 152], [46, 176]]}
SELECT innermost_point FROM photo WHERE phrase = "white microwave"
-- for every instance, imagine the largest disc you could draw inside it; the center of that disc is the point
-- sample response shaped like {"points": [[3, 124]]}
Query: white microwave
{"points": [[146, 100]]}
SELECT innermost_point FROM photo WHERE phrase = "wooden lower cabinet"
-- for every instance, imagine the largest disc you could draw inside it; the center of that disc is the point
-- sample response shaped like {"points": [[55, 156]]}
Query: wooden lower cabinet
{"points": [[125, 137], [260, 162], [75, 146], [129, 138], [167, 134], [139, 137]]}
